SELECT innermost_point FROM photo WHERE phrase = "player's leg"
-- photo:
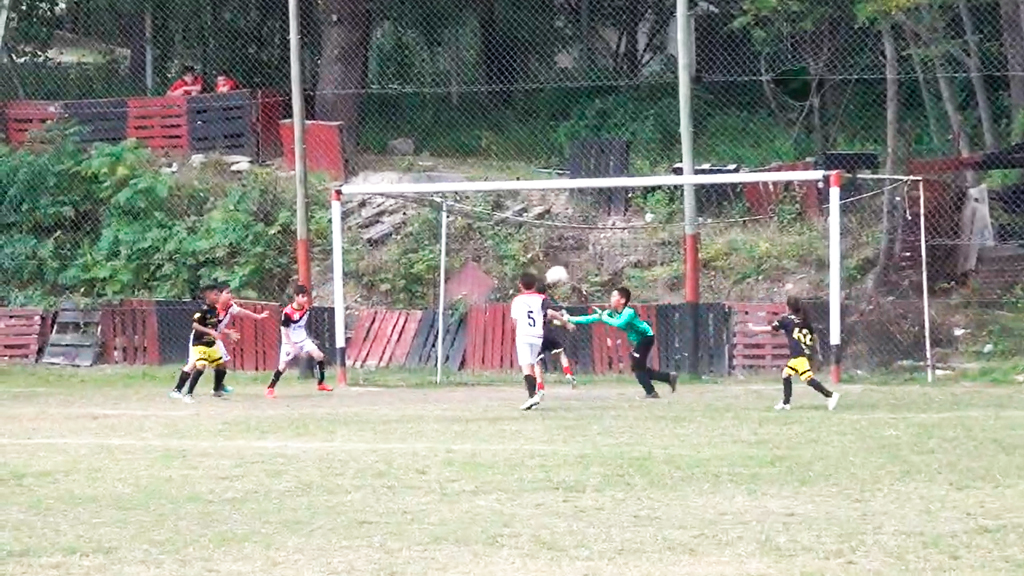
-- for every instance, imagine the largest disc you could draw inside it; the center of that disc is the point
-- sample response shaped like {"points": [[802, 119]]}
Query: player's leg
{"points": [[287, 353], [787, 387], [566, 367], [320, 368], [185, 374], [202, 354], [643, 373], [224, 356], [526, 355], [804, 371]]}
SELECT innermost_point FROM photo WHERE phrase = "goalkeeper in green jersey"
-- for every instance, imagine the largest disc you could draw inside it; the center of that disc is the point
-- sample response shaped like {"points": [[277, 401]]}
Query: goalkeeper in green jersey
{"points": [[640, 335]]}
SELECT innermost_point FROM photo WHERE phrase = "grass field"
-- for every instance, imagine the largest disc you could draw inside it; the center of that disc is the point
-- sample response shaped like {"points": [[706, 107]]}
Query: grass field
{"points": [[104, 475]]}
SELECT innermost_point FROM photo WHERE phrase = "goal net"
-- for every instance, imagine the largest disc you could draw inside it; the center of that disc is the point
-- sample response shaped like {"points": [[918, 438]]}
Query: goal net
{"points": [[426, 272]]}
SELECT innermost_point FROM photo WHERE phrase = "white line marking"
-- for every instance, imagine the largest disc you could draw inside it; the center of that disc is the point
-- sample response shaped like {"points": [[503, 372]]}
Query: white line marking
{"points": [[927, 415], [270, 444]]}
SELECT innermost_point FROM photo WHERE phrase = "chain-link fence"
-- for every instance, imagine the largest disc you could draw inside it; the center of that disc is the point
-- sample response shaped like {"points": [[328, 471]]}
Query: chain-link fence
{"points": [[148, 151]]}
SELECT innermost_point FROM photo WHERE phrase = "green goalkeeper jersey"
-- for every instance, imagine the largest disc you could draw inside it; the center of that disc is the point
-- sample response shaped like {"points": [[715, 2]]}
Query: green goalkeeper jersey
{"points": [[635, 328]]}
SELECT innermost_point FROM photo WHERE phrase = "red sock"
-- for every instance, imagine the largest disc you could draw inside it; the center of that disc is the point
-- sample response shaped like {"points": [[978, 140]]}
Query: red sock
{"points": [[540, 386], [567, 370]]}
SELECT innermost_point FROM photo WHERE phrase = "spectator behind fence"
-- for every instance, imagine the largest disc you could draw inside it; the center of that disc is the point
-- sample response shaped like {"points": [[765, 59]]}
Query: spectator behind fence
{"points": [[225, 83], [189, 84]]}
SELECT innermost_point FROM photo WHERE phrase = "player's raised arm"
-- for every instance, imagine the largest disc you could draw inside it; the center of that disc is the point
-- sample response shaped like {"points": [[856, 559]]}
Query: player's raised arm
{"points": [[588, 319], [243, 313], [624, 318]]}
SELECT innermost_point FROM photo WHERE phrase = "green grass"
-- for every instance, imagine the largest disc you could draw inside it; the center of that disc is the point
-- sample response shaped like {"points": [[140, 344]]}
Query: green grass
{"points": [[103, 474]]}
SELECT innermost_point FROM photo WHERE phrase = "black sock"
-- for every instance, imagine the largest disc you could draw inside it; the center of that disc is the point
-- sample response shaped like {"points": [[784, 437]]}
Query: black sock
{"points": [[196, 375], [644, 378], [787, 390], [813, 383], [218, 379], [182, 380], [531, 384], [275, 378], [320, 372], [658, 376]]}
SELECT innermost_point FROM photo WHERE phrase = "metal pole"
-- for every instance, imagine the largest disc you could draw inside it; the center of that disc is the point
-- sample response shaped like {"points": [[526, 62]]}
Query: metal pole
{"points": [[338, 260], [924, 287], [835, 268], [149, 51], [691, 242], [5, 11], [440, 289], [299, 128]]}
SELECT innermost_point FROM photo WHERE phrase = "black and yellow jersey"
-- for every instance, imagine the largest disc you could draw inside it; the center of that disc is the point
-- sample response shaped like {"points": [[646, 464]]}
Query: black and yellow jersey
{"points": [[207, 317], [799, 335]]}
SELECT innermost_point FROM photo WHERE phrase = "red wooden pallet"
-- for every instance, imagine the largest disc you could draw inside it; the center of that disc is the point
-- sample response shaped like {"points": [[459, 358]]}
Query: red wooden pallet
{"points": [[130, 334], [404, 337], [378, 347], [160, 123], [354, 348], [20, 331], [757, 351], [25, 117], [474, 347]]}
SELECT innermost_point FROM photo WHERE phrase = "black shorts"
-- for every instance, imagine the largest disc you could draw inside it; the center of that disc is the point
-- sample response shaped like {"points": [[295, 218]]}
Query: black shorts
{"points": [[550, 344]]}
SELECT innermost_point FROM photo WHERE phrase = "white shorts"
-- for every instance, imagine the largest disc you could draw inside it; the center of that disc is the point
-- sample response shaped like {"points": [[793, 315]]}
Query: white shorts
{"points": [[305, 347], [219, 346], [527, 352]]}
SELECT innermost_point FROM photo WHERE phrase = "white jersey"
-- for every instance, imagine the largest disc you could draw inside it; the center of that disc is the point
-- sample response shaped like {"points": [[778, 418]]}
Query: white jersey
{"points": [[294, 322], [225, 316], [528, 312]]}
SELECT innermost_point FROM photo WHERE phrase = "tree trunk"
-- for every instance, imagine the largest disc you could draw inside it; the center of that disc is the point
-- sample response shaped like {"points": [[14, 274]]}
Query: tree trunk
{"points": [[818, 134], [345, 43], [988, 126], [926, 94], [1013, 47], [956, 122], [890, 219], [133, 37]]}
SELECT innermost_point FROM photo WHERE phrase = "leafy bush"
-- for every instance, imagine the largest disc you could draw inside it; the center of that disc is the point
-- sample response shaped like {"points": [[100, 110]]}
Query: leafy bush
{"points": [[104, 223]]}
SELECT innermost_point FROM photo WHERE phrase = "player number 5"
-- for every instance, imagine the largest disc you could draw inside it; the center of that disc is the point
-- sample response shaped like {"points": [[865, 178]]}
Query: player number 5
{"points": [[531, 319]]}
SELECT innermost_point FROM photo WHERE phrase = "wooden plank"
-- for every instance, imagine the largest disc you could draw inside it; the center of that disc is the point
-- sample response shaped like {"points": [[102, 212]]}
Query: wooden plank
{"points": [[765, 340], [403, 343], [430, 342], [599, 344], [371, 335], [420, 341], [23, 330], [496, 328], [509, 335], [107, 334], [19, 340], [458, 352], [359, 332], [473, 338], [152, 335], [760, 363], [19, 312], [450, 332], [488, 344], [396, 332], [382, 340]]}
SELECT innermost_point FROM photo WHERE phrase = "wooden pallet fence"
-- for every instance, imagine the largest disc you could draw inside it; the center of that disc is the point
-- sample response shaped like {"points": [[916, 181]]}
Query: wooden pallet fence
{"points": [[752, 352], [101, 120], [160, 123], [222, 123], [28, 116], [20, 333], [386, 339], [130, 333]]}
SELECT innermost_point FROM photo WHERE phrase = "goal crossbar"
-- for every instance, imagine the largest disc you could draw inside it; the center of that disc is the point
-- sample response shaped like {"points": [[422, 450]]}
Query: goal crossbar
{"points": [[432, 188]]}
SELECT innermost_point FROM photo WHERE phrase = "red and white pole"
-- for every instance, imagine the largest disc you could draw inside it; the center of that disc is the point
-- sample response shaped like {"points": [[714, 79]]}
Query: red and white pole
{"points": [[338, 261], [835, 272]]}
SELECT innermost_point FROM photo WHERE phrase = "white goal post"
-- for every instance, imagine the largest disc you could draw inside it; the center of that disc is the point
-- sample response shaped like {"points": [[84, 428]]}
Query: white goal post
{"points": [[437, 191]]}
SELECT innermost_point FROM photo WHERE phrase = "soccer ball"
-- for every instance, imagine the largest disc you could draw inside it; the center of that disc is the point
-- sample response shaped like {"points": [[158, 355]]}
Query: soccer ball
{"points": [[556, 275]]}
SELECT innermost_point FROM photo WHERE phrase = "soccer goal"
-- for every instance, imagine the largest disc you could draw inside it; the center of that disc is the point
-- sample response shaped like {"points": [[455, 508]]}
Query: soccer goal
{"points": [[495, 202]]}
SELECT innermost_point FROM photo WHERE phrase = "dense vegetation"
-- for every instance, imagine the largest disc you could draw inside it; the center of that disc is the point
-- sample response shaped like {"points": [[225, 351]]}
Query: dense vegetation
{"points": [[104, 223]]}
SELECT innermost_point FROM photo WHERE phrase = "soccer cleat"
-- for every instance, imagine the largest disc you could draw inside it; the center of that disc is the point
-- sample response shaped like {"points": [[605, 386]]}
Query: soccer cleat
{"points": [[270, 393], [782, 406], [651, 396], [532, 402], [228, 389], [176, 394], [673, 380], [324, 388], [833, 400], [218, 394], [188, 399], [571, 380]]}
